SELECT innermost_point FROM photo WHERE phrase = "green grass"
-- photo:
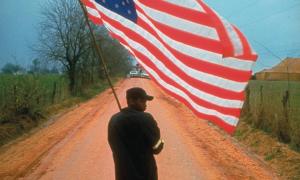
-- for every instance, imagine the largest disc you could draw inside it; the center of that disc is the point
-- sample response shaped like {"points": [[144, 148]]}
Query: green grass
{"points": [[274, 90], [17, 88], [275, 152]]}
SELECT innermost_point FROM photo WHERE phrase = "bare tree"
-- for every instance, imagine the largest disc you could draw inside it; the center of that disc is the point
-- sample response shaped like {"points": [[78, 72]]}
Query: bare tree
{"points": [[63, 36]]}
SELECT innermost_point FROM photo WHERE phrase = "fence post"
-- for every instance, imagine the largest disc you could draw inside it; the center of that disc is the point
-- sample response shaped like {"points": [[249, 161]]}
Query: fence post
{"points": [[53, 93], [15, 97], [260, 115], [3, 90], [248, 99], [261, 95], [59, 91], [284, 134]]}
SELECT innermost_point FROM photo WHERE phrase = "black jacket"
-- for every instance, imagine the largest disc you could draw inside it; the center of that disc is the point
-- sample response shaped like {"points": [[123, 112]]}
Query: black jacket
{"points": [[131, 135]]}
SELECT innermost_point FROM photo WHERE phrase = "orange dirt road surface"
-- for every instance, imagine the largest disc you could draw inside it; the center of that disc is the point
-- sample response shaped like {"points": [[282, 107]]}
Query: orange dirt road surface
{"points": [[75, 146]]}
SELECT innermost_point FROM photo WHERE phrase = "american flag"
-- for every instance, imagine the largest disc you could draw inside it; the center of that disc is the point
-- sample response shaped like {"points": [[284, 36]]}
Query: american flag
{"points": [[189, 50]]}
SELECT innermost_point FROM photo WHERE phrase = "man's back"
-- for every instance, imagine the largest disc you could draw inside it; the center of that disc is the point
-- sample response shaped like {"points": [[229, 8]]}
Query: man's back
{"points": [[131, 135]]}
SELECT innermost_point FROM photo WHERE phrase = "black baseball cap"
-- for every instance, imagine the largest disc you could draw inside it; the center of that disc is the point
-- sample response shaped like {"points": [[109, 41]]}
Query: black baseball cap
{"points": [[136, 93]]}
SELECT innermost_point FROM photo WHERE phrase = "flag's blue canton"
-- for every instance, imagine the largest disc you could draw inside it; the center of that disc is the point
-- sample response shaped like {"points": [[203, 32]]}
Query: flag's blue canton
{"points": [[125, 8]]}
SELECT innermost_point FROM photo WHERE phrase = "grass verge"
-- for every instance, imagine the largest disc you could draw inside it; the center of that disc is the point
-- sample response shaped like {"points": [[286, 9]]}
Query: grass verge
{"points": [[22, 124], [279, 156]]}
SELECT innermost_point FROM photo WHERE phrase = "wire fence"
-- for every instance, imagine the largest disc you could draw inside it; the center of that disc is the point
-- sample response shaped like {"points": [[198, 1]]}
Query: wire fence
{"points": [[30, 94], [275, 108]]}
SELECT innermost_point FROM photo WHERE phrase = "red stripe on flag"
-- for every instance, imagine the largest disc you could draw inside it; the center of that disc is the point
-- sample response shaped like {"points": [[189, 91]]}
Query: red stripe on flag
{"points": [[88, 3], [219, 122], [181, 12], [94, 19], [246, 46], [228, 50], [184, 37]]}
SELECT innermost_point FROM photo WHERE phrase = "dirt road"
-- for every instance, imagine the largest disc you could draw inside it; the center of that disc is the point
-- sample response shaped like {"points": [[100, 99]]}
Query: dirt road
{"points": [[75, 145]]}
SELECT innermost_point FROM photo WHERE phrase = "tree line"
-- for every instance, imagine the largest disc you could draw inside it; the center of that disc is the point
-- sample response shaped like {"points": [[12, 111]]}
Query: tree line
{"points": [[37, 67]]}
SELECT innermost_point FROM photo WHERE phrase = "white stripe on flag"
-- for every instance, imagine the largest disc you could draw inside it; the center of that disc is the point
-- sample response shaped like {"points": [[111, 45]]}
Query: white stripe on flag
{"points": [[234, 38], [179, 23], [93, 12], [191, 4]]}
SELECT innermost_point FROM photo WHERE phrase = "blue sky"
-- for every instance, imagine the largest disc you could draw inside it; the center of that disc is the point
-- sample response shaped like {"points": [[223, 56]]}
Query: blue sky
{"points": [[272, 27], [19, 22]]}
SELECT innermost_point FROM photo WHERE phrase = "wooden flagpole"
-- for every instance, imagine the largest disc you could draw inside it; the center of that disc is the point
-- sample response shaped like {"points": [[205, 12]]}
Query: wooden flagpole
{"points": [[99, 53]]}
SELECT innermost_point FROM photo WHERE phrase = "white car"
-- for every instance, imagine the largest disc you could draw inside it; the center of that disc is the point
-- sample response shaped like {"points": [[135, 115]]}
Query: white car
{"points": [[139, 74], [134, 74], [145, 75]]}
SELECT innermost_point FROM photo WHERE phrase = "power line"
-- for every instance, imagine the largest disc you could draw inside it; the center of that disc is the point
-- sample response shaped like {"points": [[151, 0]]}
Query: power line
{"points": [[270, 51], [243, 9], [263, 65], [280, 59], [262, 19], [288, 51]]}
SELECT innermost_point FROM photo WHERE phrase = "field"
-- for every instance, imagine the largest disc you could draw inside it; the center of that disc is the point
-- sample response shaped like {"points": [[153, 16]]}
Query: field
{"points": [[24, 100], [274, 106], [26, 91], [27, 100]]}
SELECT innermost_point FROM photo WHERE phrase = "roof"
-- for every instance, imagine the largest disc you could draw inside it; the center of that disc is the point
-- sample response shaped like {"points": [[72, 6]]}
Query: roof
{"points": [[291, 65]]}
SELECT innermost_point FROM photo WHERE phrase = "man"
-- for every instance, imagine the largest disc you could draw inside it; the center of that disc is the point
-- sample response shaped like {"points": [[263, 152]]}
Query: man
{"points": [[134, 137]]}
